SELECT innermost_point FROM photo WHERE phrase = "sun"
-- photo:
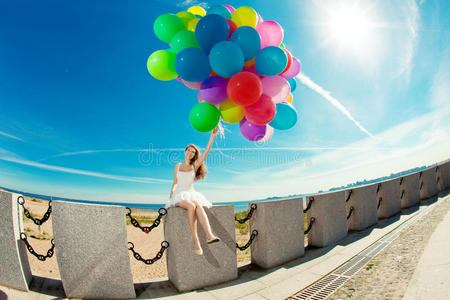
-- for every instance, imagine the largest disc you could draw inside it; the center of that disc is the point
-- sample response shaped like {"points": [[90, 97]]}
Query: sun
{"points": [[349, 27]]}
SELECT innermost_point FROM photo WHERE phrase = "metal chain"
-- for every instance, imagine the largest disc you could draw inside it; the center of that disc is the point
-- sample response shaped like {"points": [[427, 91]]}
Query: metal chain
{"points": [[350, 212], [311, 200], [252, 237], [164, 246], [379, 202], [41, 257], [162, 212], [28, 214], [311, 222], [249, 215], [378, 187], [349, 195]]}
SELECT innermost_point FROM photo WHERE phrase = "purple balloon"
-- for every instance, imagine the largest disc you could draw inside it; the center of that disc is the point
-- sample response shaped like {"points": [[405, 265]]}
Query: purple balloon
{"points": [[214, 90], [293, 70], [251, 131]]}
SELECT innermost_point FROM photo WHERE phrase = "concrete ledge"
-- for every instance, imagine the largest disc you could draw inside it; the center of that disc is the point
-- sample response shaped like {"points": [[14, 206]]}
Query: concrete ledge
{"points": [[92, 251], [443, 174], [364, 202], [330, 219], [280, 232], [15, 270], [409, 190], [188, 271], [428, 183], [389, 193]]}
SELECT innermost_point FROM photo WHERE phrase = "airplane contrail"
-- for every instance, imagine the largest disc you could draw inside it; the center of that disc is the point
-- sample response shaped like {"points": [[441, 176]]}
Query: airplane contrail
{"points": [[320, 90]]}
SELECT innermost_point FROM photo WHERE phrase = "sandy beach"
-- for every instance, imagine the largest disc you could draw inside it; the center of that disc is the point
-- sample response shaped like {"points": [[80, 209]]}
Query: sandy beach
{"points": [[146, 244]]}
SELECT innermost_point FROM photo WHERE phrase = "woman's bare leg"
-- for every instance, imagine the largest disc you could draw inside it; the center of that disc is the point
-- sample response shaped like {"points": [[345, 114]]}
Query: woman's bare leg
{"points": [[190, 206], [203, 219]]}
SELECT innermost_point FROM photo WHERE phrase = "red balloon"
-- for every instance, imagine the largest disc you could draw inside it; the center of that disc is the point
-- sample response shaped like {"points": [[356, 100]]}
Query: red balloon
{"points": [[289, 56], [261, 112], [244, 88], [233, 27]]}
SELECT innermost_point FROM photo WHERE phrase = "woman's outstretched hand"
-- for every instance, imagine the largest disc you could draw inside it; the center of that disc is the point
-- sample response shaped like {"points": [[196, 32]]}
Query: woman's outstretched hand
{"points": [[215, 131]]}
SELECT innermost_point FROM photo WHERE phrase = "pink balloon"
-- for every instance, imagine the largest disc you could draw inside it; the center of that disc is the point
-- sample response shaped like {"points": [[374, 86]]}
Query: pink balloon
{"points": [[271, 33], [230, 8], [179, 79], [268, 135], [276, 87], [192, 85], [293, 70]]}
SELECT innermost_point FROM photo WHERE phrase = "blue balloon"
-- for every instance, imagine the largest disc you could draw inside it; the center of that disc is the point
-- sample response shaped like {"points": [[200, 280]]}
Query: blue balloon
{"points": [[219, 10], [292, 83], [271, 61], [248, 39], [210, 30], [192, 64], [226, 59], [285, 118]]}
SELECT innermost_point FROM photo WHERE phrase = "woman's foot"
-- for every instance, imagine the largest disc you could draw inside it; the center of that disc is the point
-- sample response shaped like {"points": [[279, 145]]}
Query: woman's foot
{"points": [[213, 239], [198, 251]]}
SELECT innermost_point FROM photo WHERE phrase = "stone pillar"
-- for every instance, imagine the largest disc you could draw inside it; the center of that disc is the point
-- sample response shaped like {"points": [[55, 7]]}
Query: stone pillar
{"points": [[364, 202], [428, 183], [91, 247], [409, 190], [330, 223], [443, 179], [280, 232], [15, 270], [388, 197], [187, 270]]}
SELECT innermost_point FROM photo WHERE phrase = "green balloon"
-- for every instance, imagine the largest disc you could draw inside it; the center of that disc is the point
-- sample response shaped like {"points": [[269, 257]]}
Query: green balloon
{"points": [[183, 39], [282, 46], [185, 16], [166, 26], [204, 117], [161, 65]]}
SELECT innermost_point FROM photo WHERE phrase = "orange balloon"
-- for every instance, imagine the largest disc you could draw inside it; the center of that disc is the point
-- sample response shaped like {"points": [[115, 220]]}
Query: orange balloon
{"points": [[250, 63]]}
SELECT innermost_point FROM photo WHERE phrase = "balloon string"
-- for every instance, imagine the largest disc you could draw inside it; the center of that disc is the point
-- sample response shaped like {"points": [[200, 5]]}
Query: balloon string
{"points": [[222, 129]]}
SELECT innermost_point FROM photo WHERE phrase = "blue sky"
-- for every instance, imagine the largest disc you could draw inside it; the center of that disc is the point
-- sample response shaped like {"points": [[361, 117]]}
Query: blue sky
{"points": [[80, 116]]}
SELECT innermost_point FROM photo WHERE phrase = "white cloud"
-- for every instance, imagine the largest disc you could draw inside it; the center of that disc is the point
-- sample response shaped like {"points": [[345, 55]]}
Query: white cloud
{"points": [[440, 89], [327, 95], [412, 23], [83, 172], [11, 136]]}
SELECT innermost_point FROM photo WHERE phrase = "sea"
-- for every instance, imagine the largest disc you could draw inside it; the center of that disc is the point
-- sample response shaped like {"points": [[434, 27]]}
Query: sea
{"points": [[238, 205]]}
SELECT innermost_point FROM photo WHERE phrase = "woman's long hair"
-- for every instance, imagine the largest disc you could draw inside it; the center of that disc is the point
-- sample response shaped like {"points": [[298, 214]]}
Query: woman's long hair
{"points": [[202, 170]]}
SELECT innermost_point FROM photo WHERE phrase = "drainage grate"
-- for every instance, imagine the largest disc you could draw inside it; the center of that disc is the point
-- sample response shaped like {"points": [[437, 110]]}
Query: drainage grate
{"points": [[330, 283]]}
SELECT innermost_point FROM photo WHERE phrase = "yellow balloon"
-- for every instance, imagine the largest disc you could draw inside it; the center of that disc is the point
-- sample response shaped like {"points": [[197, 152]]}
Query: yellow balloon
{"points": [[192, 24], [186, 17], [231, 112], [197, 10], [245, 16], [290, 98]]}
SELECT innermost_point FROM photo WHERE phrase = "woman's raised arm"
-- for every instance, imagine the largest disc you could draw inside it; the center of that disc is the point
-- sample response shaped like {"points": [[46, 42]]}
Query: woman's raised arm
{"points": [[202, 157]]}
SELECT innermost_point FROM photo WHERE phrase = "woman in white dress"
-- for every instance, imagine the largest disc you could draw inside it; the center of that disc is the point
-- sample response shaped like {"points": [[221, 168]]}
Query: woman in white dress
{"points": [[184, 195]]}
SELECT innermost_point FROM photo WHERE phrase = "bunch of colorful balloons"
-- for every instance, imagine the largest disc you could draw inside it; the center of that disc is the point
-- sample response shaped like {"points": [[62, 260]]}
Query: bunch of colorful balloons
{"points": [[238, 63]]}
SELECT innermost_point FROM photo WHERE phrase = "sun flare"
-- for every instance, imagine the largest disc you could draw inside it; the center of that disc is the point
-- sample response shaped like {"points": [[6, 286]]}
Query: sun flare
{"points": [[349, 27]]}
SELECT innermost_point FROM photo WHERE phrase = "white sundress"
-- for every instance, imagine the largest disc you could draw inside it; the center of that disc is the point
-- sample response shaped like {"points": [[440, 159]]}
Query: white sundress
{"points": [[185, 189]]}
